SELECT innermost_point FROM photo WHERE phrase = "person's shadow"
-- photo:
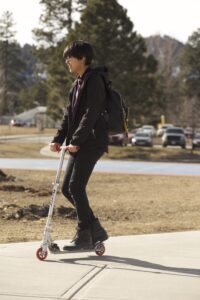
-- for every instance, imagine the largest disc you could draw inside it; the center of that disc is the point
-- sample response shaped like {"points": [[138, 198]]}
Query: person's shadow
{"points": [[120, 262]]}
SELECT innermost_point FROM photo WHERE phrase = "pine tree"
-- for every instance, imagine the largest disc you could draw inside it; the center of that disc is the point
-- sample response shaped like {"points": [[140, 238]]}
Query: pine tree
{"points": [[56, 20], [34, 91], [106, 26], [191, 64], [190, 67], [11, 65], [58, 83]]}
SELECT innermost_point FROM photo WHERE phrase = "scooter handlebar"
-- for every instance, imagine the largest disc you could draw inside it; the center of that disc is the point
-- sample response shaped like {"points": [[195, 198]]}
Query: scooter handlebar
{"points": [[66, 148]]}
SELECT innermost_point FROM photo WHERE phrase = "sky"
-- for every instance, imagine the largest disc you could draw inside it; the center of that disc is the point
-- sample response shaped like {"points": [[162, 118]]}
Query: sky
{"points": [[176, 18]]}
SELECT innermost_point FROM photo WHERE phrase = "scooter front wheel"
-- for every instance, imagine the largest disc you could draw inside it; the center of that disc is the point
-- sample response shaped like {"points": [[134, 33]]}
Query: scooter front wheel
{"points": [[41, 254]]}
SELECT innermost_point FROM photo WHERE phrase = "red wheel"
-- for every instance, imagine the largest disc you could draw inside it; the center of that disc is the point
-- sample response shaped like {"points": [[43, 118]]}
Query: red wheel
{"points": [[100, 249], [41, 255]]}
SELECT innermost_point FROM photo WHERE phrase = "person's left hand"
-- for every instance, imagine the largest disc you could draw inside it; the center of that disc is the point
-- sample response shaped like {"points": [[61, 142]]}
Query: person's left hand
{"points": [[72, 148]]}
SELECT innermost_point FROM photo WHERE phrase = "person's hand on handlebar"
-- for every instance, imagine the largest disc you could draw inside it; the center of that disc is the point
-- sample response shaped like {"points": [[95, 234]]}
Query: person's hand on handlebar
{"points": [[55, 147], [72, 148]]}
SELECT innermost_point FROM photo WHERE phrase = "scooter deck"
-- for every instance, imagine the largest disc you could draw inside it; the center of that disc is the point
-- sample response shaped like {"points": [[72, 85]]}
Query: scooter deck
{"points": [[98, 248], [71, 251], [41, 254]]}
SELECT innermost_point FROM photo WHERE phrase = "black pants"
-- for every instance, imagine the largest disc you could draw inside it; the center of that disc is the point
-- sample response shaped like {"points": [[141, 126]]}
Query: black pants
{"points": [[79, 169]]}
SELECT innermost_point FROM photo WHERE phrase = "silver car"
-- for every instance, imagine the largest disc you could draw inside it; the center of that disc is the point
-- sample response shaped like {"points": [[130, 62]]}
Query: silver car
{"points": [[149, 129], [196, 141], [142, 139]]}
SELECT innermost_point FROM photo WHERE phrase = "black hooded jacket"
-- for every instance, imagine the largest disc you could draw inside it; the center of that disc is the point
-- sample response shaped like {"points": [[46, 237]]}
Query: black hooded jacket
{"points": [[85, 125]]}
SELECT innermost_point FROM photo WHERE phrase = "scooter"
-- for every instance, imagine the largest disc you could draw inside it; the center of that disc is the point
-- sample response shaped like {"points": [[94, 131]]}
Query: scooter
{"points": [[47, 242]]}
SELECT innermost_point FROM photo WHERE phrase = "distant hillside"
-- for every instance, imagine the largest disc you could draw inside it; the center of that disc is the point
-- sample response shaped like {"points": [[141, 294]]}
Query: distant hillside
{"points": [[167, 51]]}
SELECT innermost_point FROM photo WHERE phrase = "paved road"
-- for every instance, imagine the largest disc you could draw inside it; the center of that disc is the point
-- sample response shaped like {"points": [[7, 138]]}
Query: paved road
{"points": [[116, 166]]}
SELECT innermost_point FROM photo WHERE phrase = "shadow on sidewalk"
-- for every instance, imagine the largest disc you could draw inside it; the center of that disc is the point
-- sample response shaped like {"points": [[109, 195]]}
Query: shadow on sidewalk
{"points": [[157, 268]]}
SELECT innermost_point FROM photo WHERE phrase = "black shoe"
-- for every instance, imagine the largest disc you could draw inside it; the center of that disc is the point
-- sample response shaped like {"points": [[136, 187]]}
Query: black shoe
{"points": [[99, 234], [82, 241]]}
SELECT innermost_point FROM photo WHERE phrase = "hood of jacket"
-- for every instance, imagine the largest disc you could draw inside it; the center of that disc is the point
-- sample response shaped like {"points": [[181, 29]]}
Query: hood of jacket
{"points": [[103, 71]]}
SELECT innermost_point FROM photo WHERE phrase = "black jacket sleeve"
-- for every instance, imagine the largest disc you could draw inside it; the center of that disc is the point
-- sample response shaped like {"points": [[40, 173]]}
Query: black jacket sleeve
{"points": [[95, 101], [62, 131]]}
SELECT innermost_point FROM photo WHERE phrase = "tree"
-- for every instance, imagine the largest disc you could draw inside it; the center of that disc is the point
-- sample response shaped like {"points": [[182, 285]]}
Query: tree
{"points": [[11, 65], [168, 51], [58, 83], [33, 95], [34, 92], [105, 23], [56, 20], [106, 26], [190, 67]]}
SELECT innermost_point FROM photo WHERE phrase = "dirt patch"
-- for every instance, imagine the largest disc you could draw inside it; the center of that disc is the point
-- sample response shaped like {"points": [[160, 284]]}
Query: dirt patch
{"points": [[21, 188], [17, 186], [11, 211], [34, 212], [125, 204], [6, 178]]}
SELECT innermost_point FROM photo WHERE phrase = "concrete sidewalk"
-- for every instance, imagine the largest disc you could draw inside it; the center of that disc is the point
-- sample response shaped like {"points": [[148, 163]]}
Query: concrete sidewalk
{"points": [[145, 267]]}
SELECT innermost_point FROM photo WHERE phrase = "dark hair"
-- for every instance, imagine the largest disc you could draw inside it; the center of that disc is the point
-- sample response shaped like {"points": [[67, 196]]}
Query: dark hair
{"points": [[79, 49]]}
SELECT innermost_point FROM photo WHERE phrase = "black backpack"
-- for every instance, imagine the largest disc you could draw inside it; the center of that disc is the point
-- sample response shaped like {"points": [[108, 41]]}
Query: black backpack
{"points": [[116, 113]]}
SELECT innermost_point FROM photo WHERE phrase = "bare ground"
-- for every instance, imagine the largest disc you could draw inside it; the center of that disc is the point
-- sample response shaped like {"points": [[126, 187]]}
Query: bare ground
{"points": [[125, 204]]}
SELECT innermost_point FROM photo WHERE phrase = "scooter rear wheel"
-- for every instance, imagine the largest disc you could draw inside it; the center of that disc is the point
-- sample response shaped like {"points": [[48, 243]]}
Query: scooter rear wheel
{"points": [[100, 249], [41, 255]]}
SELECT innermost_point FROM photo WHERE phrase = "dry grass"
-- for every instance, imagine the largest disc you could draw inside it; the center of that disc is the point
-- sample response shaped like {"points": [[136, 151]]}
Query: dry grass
{"points": [[126, 204], [7, 130], [21, 150], [154, 154], [32, 150]]}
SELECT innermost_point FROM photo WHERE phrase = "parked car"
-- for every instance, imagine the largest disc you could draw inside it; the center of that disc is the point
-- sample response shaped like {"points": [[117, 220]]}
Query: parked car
{"points": [[142, 139], [149, 129], [189, 132], [130, 136], [118, 139], [163, 129], [196, 141], [175, 137], [19, 123]]}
